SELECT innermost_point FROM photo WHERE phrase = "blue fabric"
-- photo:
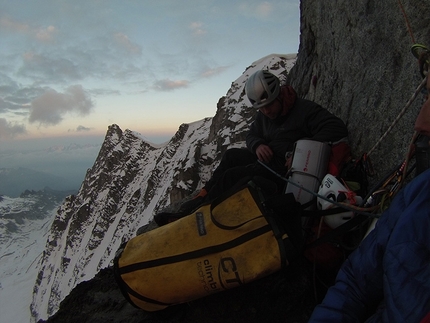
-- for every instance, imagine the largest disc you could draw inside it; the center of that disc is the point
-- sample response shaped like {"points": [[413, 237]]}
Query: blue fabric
{"points": [[387, 279]]}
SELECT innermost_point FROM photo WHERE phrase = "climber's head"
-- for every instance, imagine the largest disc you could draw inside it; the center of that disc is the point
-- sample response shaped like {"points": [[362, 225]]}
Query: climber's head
{"points": [[262, 88]]}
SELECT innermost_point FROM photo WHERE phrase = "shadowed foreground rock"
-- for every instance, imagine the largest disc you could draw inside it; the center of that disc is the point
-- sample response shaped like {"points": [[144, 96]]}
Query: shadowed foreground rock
{"points": [[287, 296]]}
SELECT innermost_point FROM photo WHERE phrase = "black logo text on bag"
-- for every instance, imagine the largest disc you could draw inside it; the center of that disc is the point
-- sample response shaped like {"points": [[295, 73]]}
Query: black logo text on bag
{"points": [[206, 276], [228, 275], [200, 224]]}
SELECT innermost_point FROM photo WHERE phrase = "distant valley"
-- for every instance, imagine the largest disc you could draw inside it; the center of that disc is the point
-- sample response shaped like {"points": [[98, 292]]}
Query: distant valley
{"points": [[60, 168], [15, 181]]}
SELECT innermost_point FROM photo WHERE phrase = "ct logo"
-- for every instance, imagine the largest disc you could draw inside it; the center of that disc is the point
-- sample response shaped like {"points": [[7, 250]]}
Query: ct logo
{"points": [[228, 274]]}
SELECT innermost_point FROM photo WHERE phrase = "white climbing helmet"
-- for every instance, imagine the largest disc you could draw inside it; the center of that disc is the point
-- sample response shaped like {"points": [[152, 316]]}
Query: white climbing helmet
{"points": [[262, 88], [332, 189]]}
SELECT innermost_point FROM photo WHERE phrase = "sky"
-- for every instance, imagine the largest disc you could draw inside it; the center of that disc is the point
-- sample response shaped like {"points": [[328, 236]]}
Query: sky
{"points": [[69, 69]]}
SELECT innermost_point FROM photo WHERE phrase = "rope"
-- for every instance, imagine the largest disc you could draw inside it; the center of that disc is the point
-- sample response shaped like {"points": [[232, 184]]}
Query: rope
{"points": [[415, 48], [406, 20], [422, 53], [408, 104], [346, 206], [407, 159]]}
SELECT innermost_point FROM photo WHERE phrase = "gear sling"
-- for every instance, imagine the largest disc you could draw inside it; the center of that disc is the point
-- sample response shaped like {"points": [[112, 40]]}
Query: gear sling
{"points": [[223, 245]]}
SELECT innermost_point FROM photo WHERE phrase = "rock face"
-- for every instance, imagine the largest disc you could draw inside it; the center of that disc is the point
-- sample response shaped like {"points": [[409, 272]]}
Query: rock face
{"points": [[354, 59]]}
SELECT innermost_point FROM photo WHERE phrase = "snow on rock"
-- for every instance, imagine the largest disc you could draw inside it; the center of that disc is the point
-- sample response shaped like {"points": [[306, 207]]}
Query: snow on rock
{"points": [[24, 224]]}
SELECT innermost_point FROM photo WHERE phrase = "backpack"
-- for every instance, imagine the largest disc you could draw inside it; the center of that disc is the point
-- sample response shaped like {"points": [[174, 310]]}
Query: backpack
{"points": [[230, 242]]}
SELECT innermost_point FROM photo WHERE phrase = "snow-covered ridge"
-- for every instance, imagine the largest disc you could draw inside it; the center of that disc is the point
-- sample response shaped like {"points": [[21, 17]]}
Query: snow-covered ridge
{"points": [[130, 181]]}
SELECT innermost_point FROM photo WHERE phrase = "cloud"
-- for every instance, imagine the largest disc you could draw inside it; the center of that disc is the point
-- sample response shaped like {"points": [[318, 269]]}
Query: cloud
{"points": [[123, 40], [197, 29], [264, 9], [9, 130], [261, 10], [6, 106], [102, 59], [15, 98], [14, 26], [47, 68], [51, 107], [169, 85], [80, 128], [213, 71], [45, 34], [104, 92]]}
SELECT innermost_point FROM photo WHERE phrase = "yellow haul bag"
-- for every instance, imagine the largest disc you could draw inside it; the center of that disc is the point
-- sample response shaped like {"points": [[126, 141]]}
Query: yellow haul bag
{"points": [[220, 246]]}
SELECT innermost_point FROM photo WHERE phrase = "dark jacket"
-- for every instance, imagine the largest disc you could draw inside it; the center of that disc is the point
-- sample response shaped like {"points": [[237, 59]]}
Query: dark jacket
{"points": [[387, 279], [304, 120]]}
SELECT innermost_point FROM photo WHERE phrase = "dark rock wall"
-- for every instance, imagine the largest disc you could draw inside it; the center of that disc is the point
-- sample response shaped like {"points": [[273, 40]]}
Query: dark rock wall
{"points": [[355, 60]]}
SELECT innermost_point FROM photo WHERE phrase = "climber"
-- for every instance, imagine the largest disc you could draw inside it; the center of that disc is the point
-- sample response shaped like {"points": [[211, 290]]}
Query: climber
{"points": [[282, 119], [387, 279]]}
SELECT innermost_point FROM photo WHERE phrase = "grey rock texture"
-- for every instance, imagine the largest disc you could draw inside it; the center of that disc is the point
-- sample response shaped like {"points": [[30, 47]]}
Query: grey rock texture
{"points": [[355, 60]]}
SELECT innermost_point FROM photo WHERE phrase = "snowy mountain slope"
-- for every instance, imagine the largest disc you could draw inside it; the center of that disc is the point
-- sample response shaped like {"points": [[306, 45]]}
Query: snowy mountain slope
{"points": [[130, 181], [24, 224]]}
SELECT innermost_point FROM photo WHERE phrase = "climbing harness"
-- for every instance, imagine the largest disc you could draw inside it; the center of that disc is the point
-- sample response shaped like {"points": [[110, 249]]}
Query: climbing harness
{"points": [[380, 196]]}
